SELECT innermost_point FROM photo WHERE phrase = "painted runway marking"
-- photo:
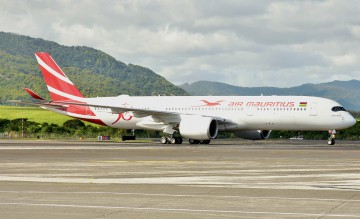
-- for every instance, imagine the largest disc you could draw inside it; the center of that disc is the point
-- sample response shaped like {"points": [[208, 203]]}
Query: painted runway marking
{"points": [[346, 181], [176, 195], [184, 210]]}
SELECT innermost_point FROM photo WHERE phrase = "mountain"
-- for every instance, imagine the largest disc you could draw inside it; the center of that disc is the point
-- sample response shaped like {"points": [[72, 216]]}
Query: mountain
{"points": [[346, 93], [98, 74], [93, 71]]}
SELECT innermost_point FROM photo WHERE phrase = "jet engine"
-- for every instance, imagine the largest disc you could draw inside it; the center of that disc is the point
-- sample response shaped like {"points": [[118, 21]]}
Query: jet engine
{"points": [[198, 127], [253, 134]]}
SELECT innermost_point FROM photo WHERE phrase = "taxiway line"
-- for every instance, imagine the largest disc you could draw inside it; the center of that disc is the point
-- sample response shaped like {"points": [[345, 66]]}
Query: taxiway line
{"points": [[179, 195], [183, 210]]}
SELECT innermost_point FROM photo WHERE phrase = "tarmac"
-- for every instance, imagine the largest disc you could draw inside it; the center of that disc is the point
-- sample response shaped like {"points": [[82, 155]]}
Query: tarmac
{"points": [[226, 179]]}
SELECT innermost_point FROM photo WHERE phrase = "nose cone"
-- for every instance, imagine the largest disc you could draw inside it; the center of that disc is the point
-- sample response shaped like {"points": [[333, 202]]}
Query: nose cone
{"points": [[349, 120]]}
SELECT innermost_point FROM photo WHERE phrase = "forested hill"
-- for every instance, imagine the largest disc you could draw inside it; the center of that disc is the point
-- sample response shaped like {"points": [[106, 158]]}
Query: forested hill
{"points": [[94, 72], [346, 93]]}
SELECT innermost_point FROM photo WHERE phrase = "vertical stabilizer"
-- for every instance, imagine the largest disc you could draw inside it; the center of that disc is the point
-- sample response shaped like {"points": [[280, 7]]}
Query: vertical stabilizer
{"points": [[58, 84]]}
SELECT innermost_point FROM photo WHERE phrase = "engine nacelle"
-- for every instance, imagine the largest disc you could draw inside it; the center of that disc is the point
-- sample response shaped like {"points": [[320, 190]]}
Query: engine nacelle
{"points": [[198, 127], [253, 134]]}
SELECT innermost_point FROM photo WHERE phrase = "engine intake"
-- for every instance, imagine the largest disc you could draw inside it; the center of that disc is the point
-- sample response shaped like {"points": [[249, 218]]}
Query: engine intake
{"points": [[198, 127]]}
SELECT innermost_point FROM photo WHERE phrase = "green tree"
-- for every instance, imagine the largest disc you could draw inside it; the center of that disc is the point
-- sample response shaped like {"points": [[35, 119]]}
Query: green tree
{"points": [[74, 124]]}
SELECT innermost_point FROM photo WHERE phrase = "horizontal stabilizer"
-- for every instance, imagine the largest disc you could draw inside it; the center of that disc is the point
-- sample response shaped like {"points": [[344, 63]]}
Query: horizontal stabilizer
{"points": [[41, 104], [33, 94]]}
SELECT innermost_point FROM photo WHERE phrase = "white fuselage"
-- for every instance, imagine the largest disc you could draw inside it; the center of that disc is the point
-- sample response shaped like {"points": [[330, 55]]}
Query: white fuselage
{"points": [[236, 112]]}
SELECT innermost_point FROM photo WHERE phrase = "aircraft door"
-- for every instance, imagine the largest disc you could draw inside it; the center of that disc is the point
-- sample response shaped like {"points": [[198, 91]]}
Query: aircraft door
{"points": [[313, 109]]}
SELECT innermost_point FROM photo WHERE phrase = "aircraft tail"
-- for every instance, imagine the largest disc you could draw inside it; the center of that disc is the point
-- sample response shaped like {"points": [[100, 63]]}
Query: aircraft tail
{"points": [[58, 84]]}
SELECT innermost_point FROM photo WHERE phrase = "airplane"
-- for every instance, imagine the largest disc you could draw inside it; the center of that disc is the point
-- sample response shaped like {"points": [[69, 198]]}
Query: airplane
{"points": [[198, 118]]}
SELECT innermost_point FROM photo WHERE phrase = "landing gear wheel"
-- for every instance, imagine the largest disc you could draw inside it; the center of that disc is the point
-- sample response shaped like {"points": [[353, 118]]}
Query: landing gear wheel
{"points": [[206, 141], [163, 140], [193, 141], [173, 141], [331, 141], [179, 140]]}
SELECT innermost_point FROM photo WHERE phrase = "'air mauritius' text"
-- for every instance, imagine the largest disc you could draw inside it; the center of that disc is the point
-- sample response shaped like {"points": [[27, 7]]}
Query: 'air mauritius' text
{"points": [[261, 104]]}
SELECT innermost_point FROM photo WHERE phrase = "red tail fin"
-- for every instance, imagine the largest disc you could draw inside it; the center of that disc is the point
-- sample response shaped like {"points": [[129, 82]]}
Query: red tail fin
{"points": [[59, 85]]}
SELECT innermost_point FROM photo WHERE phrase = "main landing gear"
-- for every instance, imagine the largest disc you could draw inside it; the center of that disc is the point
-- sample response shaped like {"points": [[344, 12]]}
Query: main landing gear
{"points": [[193, 141], [331, 140], [178, 140], [171, 140]]}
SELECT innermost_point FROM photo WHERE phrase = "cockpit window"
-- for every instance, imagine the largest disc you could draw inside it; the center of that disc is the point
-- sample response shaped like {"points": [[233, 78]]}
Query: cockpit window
{"points": [[338, 108]]}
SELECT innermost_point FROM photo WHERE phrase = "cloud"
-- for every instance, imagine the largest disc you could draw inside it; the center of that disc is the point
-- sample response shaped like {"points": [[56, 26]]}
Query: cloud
{"points": [[247, 42]]}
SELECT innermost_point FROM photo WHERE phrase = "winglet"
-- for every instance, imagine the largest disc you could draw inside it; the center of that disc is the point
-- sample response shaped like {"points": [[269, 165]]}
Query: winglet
{"points": [[33, 94]]}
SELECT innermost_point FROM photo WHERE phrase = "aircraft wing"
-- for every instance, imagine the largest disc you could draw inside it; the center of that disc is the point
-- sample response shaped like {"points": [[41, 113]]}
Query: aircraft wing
{"points": [[164, 116]]}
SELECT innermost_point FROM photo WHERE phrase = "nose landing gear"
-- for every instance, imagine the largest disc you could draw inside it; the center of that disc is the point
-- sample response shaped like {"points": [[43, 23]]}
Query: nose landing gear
{"points": [[331, 140]]}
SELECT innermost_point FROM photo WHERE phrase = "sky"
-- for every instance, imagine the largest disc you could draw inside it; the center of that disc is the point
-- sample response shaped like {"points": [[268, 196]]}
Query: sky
{"points": [[248, 43]]}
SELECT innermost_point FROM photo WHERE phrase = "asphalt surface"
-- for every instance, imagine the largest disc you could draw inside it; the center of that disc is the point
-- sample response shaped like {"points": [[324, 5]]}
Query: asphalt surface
{"points": [[226, 179]]}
